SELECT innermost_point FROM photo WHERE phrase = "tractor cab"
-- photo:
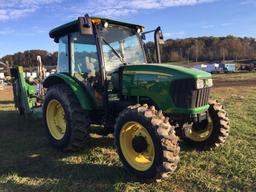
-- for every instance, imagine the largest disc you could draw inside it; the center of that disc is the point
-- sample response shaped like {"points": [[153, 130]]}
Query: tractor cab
{"points": [[94, 51]]}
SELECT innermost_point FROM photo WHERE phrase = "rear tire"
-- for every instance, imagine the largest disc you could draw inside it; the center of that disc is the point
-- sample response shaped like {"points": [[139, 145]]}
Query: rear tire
{"points": [[72, 133], [220, 128], [155, 157]]}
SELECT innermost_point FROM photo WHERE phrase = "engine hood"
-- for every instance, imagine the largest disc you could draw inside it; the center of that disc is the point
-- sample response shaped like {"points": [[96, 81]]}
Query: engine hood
{"points": [[172, 71], [154, 81]]}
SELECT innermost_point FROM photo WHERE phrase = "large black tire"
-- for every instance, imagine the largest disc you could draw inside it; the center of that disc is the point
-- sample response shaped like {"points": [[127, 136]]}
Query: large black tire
{"points": [[161, 132], [220, 131], [77, 119]]}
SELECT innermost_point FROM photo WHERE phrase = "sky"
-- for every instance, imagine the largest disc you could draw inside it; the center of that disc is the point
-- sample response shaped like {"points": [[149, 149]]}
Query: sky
{"points": [[25, 24]]}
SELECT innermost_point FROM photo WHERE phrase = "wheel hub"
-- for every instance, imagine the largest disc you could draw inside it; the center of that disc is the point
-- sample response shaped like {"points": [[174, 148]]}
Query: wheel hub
{"points": [[201, 131], [55, 117], [139, 144]]}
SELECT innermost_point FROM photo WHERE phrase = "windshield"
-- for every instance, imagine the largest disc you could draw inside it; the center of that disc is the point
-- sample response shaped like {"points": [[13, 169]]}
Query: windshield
{"points": [[121, 45]]}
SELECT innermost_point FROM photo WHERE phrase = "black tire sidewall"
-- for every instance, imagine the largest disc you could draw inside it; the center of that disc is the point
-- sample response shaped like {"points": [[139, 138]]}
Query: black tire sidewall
{"points": [[216, 127], [216, 131], [145, 122], [55, 94]]}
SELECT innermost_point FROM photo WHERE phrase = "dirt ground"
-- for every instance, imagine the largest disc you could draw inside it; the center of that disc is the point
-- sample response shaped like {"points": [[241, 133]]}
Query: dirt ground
{"points": [[6, 98], [6, 93], [221, 83]]}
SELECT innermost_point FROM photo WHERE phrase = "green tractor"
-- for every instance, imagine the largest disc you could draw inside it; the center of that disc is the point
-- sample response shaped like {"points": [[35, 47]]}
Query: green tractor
{"points": [[103, 78]]}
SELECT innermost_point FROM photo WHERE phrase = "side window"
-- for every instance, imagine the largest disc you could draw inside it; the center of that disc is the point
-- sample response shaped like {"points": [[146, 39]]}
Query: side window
{"points": [[84, 55], [63, 66]]}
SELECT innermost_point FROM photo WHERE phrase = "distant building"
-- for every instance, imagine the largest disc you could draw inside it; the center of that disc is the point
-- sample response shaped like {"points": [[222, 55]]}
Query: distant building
{"points": [[34, 75], [2, 76], [228, 67], [47, 74], [201, 67], [211, 67], [28, 74]]}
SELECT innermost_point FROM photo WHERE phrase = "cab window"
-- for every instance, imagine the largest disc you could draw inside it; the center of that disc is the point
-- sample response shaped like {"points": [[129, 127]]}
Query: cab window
{"points": [[84, 55], [62, 66]]}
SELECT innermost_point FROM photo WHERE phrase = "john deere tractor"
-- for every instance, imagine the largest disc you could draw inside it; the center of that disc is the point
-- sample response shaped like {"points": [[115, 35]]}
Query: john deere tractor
{"points": [[103, 78]]}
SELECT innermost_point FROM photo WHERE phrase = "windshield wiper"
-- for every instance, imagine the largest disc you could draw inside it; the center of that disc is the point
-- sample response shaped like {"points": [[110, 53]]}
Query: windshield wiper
{"points": [[115, 52]]}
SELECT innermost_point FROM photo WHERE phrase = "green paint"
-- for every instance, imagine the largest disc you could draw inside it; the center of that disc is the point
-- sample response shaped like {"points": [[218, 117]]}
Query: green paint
{"points": [[85, 97], [153, 81], [27, 92]]}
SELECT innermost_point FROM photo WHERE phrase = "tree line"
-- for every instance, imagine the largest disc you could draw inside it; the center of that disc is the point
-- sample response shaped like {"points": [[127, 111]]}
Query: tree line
{"points": [[29, 58], [174, 50], [205, 49]]}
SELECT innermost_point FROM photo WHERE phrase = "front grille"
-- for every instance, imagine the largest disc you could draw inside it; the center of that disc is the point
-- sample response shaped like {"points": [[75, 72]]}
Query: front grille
{"points": [[185, 95]]}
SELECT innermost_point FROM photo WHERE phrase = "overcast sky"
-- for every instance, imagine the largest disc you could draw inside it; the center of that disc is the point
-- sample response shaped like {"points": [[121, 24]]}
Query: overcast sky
{"points": [[24, 24]]}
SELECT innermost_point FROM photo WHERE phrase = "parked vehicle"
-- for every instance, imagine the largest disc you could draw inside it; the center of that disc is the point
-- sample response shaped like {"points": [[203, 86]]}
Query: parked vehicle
{"points": [[248, 66], [210, 68], [201, 67], [103, 78], [228, 67]]}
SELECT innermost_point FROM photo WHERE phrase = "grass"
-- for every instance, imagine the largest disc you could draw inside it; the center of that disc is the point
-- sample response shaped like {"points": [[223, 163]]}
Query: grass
{"points": [[28, 163], [235, 76]]}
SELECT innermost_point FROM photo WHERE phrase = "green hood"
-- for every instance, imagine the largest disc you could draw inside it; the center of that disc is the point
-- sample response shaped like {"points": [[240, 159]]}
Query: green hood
{"points": [[154, 80], [166, 70]]}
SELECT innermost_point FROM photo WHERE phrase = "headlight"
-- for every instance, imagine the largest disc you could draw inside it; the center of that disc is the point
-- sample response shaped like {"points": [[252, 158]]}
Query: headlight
{"points": [[105, 24], [199, 83], [203, 83], [209, 82]]}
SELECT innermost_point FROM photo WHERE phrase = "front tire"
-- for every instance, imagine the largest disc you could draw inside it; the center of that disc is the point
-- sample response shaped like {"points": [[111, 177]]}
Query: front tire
{"points": [[146, 142], [215, 130], [66, 123]]}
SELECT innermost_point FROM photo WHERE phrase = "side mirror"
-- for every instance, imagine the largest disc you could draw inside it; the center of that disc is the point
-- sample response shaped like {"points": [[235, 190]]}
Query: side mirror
{"points": [[159, 36], [85, 25]]}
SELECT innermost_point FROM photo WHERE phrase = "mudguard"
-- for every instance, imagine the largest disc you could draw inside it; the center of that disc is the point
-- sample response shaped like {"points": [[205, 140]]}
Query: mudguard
{"points": [[86, 100]]}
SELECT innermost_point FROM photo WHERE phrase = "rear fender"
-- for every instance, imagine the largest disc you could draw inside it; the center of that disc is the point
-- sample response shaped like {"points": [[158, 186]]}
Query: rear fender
{"points": [[85, 100]]}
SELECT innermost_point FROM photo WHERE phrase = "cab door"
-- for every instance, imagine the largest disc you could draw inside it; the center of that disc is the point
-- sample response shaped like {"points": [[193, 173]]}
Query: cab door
{"points": [[85, 65]]}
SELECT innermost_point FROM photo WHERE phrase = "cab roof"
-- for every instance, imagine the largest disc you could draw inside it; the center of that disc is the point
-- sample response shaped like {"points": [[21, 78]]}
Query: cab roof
{"points": [[73, 26]]}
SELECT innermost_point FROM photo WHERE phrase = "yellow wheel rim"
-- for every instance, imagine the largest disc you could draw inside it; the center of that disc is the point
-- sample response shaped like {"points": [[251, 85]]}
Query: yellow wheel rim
{"points": [[142, 160], [201, 135], [55, 117]]}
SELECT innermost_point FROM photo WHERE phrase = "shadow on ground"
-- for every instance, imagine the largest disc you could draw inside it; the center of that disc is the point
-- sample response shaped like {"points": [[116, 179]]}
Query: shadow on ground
{"points": [[6, 102], [25, 151]]}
